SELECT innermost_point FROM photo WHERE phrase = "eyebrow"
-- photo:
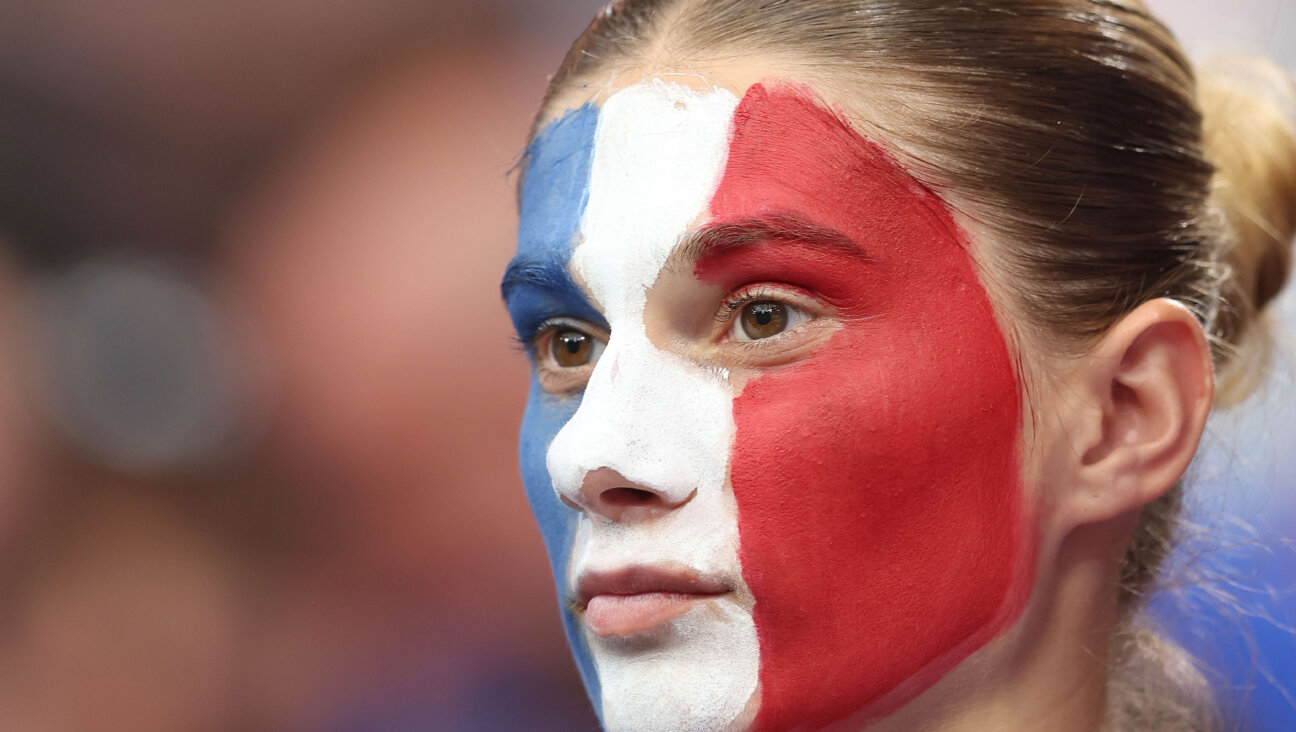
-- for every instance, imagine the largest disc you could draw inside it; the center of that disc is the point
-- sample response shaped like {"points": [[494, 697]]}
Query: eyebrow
{"points": [[766, 228], [547, 274], [540, 274]]}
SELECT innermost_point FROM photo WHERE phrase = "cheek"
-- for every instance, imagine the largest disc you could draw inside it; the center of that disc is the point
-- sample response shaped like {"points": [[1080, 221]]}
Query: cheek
{"points": [[879, 505], [545, 416]]}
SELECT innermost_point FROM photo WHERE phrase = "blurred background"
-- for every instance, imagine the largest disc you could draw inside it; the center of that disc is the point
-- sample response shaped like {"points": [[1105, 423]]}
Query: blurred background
{"points": [[258, 399]]}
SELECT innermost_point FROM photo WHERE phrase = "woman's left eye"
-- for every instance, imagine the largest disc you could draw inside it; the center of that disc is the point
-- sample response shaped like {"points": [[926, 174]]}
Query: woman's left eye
{"points": [[761, 319]]}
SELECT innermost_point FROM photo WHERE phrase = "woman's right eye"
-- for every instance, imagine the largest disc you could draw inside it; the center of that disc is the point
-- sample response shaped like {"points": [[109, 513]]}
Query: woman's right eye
{"points": [[572, 348], [565, 354]]}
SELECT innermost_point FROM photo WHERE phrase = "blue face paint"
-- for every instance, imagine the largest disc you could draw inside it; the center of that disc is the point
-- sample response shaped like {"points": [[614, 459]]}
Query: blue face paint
{"points": [[555, 186], [538, 286]]}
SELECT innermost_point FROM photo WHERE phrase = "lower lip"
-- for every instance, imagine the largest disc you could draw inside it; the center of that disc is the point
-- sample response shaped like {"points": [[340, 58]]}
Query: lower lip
{"points": [[620, 615]]}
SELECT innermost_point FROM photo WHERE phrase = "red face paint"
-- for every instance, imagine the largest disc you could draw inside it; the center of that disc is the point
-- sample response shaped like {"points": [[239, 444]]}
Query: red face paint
{"points": [[877, 481]]}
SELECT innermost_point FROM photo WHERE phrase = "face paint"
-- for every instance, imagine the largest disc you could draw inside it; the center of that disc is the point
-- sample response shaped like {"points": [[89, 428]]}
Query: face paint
{"points": [[651, 419], [861, 477], [656, 420], [538, 286], [877, 481]]}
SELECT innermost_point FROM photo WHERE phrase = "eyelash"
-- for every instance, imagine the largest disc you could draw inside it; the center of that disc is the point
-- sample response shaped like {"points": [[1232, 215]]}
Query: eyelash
{"points": [[525, 345], [531, 345], [734, 303]]}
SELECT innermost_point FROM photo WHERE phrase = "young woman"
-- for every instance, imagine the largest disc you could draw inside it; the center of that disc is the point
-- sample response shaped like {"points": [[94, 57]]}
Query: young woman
{"points": [[871, 342]]}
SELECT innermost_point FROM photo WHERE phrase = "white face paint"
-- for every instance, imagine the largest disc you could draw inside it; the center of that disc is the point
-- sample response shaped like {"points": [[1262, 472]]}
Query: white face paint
{"points": [[662, 422]]}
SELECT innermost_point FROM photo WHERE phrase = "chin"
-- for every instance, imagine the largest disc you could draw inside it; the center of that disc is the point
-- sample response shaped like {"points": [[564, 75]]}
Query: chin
{"points": [[696, 672]]}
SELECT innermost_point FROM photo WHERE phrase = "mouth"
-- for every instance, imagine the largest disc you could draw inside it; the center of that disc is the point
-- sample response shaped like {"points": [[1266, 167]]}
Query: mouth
{"points": [[638, 599]]}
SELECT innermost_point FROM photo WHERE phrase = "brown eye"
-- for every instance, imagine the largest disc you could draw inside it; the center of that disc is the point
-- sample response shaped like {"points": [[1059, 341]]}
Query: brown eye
{"points": [[572, 348], [763, 320], [566, 351]]}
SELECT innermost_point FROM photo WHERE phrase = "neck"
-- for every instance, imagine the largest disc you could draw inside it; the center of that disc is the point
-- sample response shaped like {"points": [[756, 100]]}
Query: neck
{"points": [[1050, 670]]}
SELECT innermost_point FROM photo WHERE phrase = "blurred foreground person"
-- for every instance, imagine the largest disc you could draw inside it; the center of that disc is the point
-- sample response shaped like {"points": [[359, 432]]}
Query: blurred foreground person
{"points": [[254, 451], [356, 269]]}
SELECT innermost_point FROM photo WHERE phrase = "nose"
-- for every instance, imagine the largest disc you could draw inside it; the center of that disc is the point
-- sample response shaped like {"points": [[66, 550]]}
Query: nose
{"points": [[608, 494], [650, 432]]}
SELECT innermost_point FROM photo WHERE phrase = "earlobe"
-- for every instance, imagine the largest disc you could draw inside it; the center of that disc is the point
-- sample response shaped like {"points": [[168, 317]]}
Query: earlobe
{"points": [[1144, 395]]}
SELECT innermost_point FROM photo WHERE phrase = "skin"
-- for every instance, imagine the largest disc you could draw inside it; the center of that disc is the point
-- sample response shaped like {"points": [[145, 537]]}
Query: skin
{"points": [[1104, 433]]}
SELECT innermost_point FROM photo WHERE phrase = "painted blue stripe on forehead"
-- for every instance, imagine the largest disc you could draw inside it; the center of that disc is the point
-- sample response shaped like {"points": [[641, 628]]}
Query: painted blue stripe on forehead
{"points": [[555, 185], [555, 189]]}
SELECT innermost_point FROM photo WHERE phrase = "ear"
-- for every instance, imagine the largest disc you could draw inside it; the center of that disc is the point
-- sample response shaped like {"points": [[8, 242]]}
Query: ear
{"points": [[1137, 408]]}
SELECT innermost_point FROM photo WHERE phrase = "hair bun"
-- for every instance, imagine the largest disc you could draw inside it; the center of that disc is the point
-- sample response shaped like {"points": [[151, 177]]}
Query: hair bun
{"points": [[1249, 133]]}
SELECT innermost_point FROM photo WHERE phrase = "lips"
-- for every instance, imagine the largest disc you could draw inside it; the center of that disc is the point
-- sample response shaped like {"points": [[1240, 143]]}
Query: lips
{"points": [[639, 599]]}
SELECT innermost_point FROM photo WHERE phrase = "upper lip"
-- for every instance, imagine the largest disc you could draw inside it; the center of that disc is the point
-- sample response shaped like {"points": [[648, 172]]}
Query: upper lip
{"points": [[643, 579]]}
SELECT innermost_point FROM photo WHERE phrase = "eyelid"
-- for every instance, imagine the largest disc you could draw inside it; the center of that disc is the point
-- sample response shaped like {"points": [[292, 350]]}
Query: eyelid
{"points": [[793, 297], [549, 325]]}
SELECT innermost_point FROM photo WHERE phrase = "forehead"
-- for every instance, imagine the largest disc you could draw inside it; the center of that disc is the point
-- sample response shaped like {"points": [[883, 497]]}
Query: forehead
{"points": [[637, 134], [641, 128], [659, 152], [627, 177], [555, 183]]}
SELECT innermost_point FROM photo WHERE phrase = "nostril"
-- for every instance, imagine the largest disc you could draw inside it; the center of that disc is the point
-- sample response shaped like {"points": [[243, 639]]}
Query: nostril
{"points": [[626, 497], [607, 494]]}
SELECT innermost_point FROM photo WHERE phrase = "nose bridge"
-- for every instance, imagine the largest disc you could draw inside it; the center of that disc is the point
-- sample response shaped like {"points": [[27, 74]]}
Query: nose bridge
{"points": [[662, 423]]}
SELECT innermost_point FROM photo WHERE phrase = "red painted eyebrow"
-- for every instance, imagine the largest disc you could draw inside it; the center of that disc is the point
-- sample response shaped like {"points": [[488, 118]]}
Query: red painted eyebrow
{"points": [[768, 228]]}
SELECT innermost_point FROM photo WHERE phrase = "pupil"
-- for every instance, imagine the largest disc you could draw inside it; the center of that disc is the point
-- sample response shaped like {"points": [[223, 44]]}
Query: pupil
{"points": [[764, 319], [571, 348]]}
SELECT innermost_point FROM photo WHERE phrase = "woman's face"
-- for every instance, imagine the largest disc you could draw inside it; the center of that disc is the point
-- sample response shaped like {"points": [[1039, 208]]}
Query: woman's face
{"points": [[772, 438]]}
